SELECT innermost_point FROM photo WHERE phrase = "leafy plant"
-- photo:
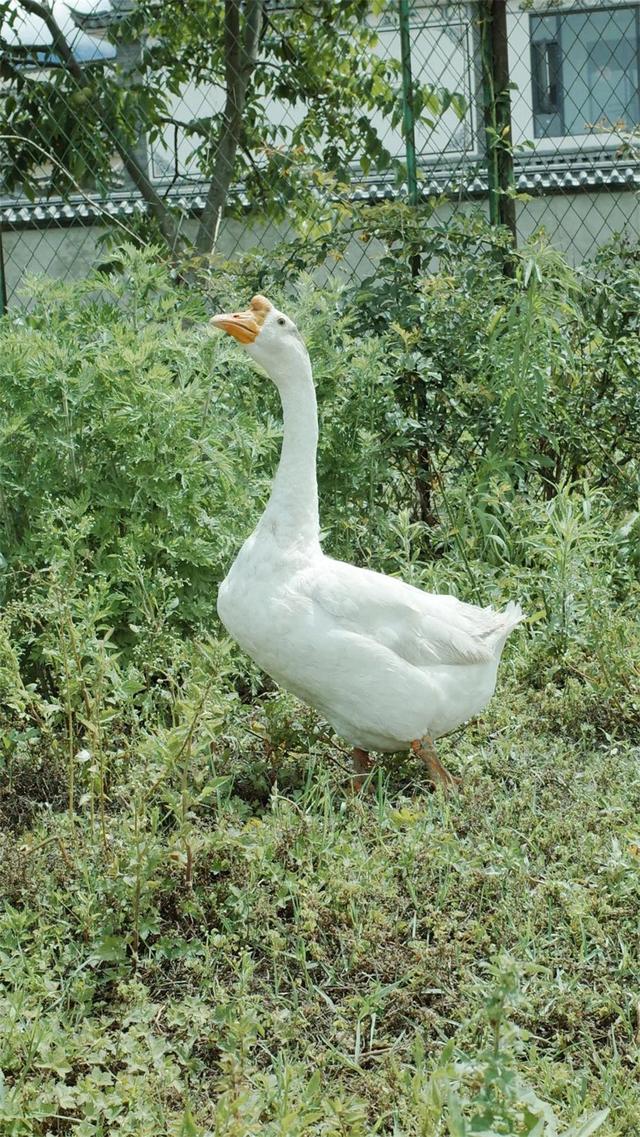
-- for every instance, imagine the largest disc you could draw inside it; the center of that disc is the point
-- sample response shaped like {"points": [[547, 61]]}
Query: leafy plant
{"points": [[202, 931], [484, 1094]]}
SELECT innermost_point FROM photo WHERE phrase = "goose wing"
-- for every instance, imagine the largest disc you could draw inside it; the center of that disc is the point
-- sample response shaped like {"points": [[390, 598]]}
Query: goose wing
{"points": [[422, 628]]}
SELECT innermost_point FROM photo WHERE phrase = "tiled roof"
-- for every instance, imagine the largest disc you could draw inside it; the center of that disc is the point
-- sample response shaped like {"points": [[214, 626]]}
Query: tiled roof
{"points": [[567, 173]]}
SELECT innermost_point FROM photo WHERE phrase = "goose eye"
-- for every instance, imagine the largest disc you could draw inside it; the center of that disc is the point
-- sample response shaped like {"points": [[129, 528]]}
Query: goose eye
{"points": [[282, 322]]}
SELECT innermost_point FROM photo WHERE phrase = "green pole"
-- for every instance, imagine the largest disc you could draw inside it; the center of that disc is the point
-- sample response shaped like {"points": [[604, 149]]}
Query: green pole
{"points": [[485, 14], [3, 282], [408, 120], [494, 57]]}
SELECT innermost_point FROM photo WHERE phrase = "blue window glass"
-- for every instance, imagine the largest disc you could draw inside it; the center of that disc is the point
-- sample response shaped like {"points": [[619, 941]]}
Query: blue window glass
{"points": [[584, 72]]}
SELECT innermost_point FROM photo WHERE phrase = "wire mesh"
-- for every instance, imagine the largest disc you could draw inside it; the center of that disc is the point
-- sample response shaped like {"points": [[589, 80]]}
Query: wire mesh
{"points": [[240, 124]]}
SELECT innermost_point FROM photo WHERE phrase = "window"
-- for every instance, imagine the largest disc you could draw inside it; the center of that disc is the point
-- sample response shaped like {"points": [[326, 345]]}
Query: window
{"points": [[584, 71]]}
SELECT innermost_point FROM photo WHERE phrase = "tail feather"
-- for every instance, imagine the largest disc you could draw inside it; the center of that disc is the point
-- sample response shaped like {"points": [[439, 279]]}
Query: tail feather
{"points": [[509, 619], [513, 614]]}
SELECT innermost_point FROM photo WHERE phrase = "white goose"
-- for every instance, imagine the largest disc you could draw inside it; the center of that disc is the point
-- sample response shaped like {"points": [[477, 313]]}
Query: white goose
{"points": [[389, 666]]}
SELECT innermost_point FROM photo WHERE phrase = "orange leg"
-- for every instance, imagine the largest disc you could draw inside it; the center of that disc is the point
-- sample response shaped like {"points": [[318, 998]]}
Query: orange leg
{"points": [[361, 766], [440, 776]]}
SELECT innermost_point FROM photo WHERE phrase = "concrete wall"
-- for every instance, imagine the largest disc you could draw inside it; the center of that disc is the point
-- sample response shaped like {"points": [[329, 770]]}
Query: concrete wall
{"points": [[64, 254], [575, 223]]}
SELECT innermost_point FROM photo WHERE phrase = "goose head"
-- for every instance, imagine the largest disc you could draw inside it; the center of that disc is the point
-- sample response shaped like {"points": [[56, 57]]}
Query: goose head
{"points": [[269, 336]]}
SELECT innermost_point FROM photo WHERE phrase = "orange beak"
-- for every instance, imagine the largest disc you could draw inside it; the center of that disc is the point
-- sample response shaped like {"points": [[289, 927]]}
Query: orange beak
{"points": [[243, 326]]}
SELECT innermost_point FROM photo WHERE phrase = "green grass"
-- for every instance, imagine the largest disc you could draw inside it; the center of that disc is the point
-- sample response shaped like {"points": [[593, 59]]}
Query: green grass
{"points": [[202, 932], [240, 946]]}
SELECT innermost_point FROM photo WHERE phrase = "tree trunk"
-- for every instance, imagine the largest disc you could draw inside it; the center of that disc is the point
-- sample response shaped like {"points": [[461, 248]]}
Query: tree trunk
{"points": [[240, 50]]}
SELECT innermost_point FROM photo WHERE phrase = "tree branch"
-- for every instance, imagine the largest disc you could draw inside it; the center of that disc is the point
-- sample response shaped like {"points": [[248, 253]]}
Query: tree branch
{"points": [[57, 35], [7, 70], [138, 176]]}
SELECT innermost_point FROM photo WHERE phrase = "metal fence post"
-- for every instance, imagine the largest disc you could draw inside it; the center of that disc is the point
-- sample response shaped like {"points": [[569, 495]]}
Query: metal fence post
{"points": [[3, 279], [494, 61], [424, 476], [408, 119]]}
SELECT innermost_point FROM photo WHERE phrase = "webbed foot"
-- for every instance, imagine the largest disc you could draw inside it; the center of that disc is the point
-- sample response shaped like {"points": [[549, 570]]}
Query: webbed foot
{"points": [[438, 773]]}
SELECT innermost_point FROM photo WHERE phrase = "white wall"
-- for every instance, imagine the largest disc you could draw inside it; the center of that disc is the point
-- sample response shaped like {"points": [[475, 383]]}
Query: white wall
{"points": [[572, 221]]}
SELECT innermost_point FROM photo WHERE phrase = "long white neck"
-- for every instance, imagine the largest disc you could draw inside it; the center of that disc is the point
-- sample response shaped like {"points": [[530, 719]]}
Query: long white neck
{"points": [[292, 511]]}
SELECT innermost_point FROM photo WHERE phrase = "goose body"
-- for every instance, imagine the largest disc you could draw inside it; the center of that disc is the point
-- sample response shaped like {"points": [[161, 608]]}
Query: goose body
{"points": [[382, 661], [385, 663]]}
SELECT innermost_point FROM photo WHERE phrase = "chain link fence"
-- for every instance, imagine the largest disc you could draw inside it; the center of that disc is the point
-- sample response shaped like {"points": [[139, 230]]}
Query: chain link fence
{"points": [[146, 121]]}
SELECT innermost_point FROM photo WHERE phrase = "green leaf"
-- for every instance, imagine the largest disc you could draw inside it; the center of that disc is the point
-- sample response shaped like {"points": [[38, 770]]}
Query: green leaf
{"points": [[188, 1127], [459, 104], [112, 949], [587, 1126], [455, 1121]]}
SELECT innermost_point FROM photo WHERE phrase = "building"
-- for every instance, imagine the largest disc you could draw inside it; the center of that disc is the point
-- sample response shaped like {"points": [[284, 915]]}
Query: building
{"points": [[575, 113]]}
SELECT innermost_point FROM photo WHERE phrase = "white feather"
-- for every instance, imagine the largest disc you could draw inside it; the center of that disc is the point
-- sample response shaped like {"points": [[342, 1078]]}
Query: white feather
{"points": [[383, 661]]}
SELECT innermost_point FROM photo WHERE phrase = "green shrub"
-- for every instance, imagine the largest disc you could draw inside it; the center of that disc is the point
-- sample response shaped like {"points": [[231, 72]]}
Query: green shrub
{"points": [[138, 449], [201, 931]]}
